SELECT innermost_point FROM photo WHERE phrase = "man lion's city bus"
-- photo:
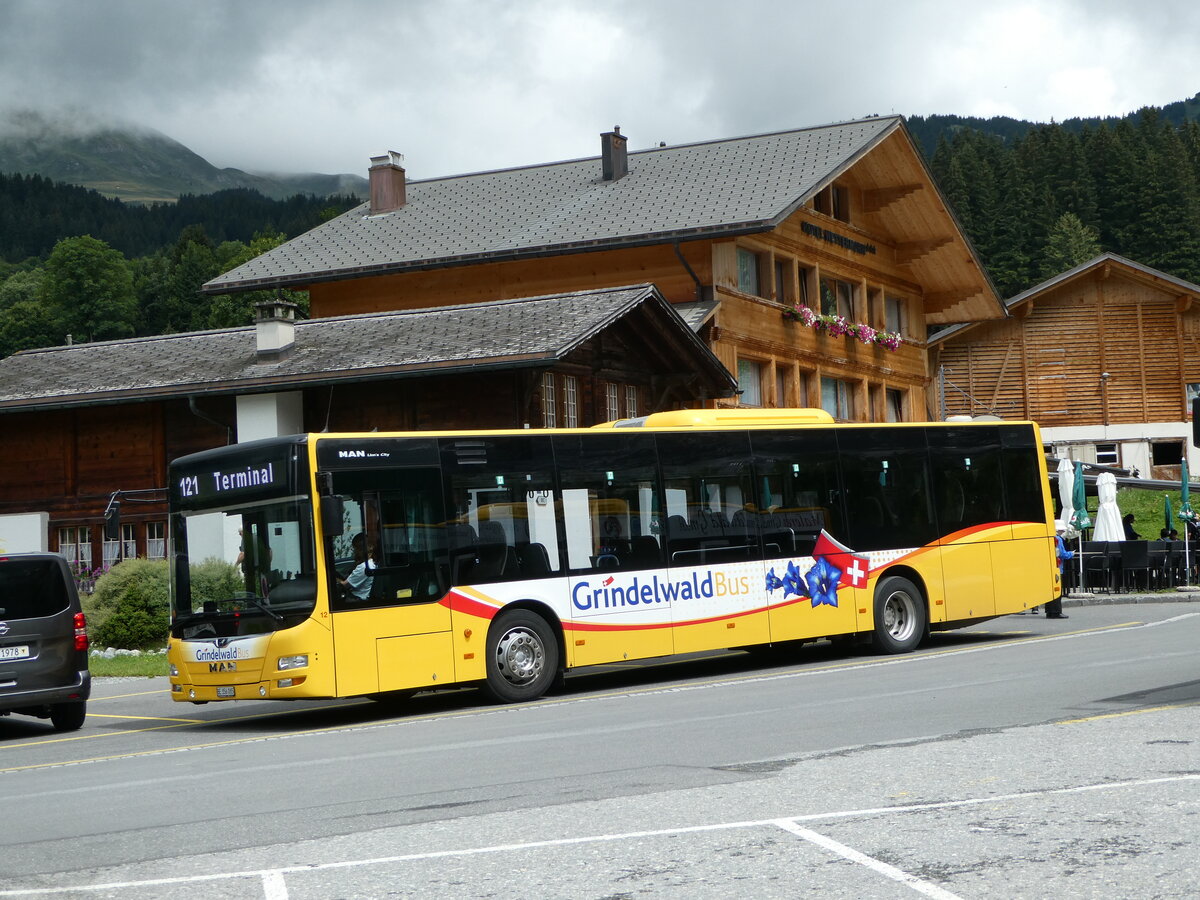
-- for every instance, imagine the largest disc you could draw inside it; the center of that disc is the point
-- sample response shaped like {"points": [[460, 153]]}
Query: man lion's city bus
{"points": [[506, 558]]}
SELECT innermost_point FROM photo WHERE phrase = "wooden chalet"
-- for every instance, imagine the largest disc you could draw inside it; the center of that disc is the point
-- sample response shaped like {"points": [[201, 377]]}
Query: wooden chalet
{"points": [[79, 424], [1105, 357], [843, 219]]}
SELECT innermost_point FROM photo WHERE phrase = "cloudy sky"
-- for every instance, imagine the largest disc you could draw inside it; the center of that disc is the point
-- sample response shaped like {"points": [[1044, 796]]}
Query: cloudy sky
{"points": [[464, 85]]}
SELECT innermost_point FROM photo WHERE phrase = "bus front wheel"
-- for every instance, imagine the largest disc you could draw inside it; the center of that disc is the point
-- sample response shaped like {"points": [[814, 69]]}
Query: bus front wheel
{"points": [[522, 657], [899, 616]]}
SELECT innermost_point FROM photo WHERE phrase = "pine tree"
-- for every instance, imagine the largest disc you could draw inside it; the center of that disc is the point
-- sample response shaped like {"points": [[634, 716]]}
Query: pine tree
{"points": [[1070, 243]]}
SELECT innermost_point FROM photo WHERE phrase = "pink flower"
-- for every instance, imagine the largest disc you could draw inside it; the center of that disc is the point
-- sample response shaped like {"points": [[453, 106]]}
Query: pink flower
{"points": [[888, 339], [864, 333]]}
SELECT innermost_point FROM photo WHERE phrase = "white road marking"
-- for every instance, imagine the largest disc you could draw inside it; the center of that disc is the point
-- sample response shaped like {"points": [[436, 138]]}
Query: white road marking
{"points": [[840, 815], [274, 887], [917, 884]]}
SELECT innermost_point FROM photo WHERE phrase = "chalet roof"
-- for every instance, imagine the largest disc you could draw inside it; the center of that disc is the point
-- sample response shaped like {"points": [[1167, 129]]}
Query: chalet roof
{"points": [[727, 187], [1120, 264], [506, 334]]}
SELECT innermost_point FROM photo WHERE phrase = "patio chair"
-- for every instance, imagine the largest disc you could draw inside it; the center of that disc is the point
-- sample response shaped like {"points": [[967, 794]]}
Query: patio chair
{"points": [[1135, 563], [1160, 562], [1097, 566]]}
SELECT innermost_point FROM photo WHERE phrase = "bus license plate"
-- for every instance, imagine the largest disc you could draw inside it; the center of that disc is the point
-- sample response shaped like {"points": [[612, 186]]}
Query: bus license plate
{"points": [[21, 651], [225, 692]]}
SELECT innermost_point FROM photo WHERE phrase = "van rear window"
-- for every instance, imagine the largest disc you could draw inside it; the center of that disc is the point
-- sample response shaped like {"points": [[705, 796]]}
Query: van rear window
{"points": [[31, 588]]}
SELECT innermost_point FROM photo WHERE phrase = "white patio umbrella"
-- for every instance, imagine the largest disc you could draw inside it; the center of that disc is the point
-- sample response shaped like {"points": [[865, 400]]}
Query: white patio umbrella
{"points": [[1066, 491], [1108, 517]]}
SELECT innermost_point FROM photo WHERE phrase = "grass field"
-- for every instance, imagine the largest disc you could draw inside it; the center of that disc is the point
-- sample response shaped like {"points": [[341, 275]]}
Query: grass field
{"points": [[127, 666]]}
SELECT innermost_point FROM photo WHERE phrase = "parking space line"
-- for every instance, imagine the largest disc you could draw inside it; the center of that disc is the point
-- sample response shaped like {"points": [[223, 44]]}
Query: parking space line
{"points": [[875, 865], [277, 874], [274, 887]]}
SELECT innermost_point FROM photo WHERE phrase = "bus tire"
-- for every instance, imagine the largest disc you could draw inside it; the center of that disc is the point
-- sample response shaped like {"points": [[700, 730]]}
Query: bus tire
{"points": [[900, 620], [522, 657]]}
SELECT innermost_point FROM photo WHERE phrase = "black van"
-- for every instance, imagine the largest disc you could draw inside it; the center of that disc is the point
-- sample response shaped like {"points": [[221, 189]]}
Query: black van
{"points": [[43, 641]]}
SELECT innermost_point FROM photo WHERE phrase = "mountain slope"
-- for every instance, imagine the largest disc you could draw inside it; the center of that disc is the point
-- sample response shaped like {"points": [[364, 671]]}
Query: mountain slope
{"points": [[138, 165]]}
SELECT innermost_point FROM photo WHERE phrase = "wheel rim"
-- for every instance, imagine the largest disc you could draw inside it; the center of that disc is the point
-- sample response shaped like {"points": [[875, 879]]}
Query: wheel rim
{"points": [[520, 656], [900, 615]]}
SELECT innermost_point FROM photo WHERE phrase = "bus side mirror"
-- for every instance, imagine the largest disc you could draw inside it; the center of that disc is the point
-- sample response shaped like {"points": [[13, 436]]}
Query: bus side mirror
{"points": [[112, 520], [333, 511]]}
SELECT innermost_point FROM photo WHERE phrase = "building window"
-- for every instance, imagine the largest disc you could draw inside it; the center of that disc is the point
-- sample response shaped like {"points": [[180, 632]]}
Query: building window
{"points": [[1106, 455], [570, 401], [612, 402], [549, 407], [156, 540], [784, 280], [893, 405], [803, 274], [837, 398], [833, 201], [837, 298], [1165, 453], [75, 544], [893, 311], [782, 378], [750, 382], [747, 271], [631, 401]]}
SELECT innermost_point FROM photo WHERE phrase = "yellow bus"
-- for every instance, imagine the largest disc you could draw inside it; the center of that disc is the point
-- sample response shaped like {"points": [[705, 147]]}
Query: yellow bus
{"points": [[340, 565]]}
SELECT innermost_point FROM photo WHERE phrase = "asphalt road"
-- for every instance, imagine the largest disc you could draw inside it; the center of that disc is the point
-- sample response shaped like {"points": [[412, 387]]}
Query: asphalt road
{"points": [[1022, 758]]}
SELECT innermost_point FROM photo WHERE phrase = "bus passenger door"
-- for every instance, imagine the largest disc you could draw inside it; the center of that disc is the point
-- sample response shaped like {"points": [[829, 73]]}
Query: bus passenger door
{"points": [[395, 633]]}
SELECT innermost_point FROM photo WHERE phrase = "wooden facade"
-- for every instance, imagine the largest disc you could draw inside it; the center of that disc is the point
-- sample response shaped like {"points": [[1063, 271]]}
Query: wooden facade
{"points": [[880, 229], [67, 460], [1104, 354]]}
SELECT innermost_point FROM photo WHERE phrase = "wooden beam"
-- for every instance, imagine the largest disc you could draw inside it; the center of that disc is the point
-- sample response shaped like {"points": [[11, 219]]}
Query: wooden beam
{"points": [[1182, 304], [914, 250], [940, 300], [881, 198], [1023, 311]]}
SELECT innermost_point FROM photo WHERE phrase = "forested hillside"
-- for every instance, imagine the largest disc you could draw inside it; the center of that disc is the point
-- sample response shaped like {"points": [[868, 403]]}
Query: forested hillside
{"points": [[1041, 202], [74, 263], [36, 213]]}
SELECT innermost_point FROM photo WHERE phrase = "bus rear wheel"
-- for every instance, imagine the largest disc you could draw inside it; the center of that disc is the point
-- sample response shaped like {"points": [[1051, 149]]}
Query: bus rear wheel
{"points": [[900, 621], [522, 657]]}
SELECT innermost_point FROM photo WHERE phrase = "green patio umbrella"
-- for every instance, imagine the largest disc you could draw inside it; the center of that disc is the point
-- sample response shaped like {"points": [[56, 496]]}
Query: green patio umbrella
{"points": [[1167, 512], [1185, 507], [1079, 518]]}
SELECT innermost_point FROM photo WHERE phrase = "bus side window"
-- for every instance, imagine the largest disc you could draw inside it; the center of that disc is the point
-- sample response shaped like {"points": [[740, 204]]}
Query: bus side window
{"points": [[502, 523], [711, 503], [887, 488], [796, 473], [609, 498]]}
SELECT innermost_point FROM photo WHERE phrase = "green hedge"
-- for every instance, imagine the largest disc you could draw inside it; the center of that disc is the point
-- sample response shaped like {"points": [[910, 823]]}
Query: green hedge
{"points": [[130, 608]]}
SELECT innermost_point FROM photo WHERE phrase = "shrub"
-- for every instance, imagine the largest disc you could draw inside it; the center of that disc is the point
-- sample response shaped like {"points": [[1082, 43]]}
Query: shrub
{"points": [[129, 606], [215, 579]]}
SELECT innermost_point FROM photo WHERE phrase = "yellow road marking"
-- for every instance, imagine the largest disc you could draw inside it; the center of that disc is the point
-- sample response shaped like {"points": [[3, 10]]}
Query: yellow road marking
{"points": [[92, 715], [1128, 712]]}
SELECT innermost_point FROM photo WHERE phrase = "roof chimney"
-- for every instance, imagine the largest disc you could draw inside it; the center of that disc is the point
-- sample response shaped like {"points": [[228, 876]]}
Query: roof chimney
{"points": [[613, 158], [274, 328], [387, 182]]}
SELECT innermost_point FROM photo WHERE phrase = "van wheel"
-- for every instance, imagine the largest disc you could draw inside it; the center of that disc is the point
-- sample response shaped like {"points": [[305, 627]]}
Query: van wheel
{"points": [[522, 657], [899, 616], [68, 716]]}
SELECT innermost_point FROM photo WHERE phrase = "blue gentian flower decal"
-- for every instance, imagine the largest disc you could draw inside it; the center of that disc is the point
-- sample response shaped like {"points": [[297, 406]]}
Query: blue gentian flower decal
{"points": [[792, 582], [773, 582], [823, 579]]}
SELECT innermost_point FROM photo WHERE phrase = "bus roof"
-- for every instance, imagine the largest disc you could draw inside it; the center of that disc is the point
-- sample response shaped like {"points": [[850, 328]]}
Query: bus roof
{"points": [[724, 418]]}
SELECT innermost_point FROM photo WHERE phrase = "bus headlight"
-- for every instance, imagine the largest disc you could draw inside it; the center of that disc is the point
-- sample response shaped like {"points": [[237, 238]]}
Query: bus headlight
{"points": [[174, 670], [293, 662]]}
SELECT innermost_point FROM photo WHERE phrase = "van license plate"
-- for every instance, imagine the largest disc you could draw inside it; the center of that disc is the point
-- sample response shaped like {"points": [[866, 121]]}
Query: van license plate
{"points": [[21, 651], [225, 692]]}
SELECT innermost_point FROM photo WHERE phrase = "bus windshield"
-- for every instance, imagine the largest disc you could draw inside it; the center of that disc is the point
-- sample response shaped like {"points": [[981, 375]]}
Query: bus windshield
{"points": [[248, 569]]}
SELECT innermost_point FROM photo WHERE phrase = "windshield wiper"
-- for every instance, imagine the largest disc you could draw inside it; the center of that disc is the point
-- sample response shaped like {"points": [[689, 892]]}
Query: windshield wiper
{"points": [[262, 606]]}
